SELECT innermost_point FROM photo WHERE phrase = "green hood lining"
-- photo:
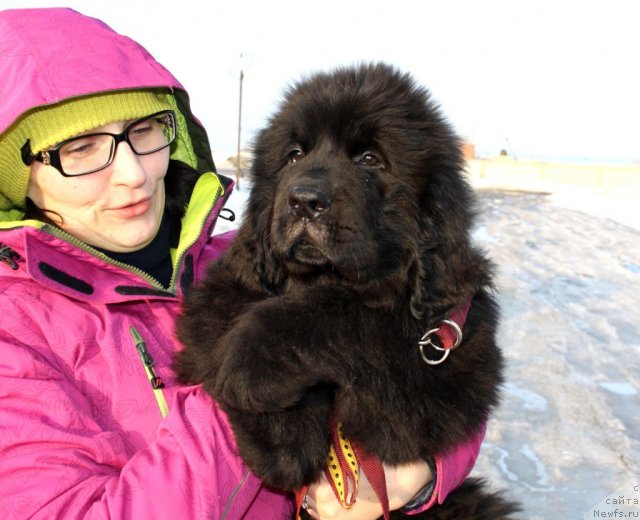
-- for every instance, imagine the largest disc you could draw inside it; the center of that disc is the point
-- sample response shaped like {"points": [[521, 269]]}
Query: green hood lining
{"points": [[192, 146]]}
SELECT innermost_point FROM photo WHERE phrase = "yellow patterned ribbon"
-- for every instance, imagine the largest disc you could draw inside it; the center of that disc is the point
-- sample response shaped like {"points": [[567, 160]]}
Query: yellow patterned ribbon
{"points": [[343, 469]]}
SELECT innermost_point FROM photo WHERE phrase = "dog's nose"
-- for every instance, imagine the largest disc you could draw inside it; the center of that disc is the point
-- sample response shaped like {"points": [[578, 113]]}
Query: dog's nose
{"points": [[308, 201]]}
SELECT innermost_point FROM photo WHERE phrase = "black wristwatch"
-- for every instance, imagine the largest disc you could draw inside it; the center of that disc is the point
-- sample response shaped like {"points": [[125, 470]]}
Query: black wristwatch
{"points": [[424, 495]]}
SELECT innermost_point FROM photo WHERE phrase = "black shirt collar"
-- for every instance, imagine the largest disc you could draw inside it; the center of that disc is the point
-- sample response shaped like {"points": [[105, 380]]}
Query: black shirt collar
{"points": [[154, 258]]}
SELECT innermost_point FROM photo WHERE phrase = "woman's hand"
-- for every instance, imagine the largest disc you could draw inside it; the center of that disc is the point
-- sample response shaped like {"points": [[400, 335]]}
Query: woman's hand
{"points": [[403, 483]]}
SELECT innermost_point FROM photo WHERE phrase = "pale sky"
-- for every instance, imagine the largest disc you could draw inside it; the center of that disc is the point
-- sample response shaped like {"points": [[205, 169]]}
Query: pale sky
{"points": [[543, 79]]}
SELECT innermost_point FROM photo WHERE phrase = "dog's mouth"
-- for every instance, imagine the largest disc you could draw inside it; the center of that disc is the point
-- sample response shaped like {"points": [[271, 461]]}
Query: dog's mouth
{"points": [[305, 253], [311, 248]]}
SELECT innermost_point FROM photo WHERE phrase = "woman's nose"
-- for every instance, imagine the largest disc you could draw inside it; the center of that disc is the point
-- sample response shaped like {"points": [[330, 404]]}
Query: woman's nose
{"points": [[126, 167]]}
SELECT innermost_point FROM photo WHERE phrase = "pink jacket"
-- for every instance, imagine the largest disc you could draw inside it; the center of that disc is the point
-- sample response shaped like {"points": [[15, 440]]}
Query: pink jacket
{"points": [[82, 432]]}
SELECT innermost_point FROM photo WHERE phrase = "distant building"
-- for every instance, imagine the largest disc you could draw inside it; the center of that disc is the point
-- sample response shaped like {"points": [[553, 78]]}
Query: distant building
{"points": [[469, 150]]}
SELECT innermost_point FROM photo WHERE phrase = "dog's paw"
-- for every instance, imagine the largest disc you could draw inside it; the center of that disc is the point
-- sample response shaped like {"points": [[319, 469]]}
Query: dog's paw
{"points": [[286, 450], [253, 387], [286, 468], [260, 369]]}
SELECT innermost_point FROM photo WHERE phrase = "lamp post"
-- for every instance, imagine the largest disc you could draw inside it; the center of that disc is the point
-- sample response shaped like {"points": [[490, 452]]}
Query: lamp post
{"points": [[238, 70], [241, 76]]}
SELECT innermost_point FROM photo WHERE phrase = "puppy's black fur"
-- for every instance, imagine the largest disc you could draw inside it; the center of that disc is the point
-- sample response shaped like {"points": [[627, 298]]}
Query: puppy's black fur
{"points": [[355, 241]]}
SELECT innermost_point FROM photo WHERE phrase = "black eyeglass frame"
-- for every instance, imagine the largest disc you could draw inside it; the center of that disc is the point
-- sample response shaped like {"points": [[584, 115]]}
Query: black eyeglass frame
{"points": [[51, 156]]}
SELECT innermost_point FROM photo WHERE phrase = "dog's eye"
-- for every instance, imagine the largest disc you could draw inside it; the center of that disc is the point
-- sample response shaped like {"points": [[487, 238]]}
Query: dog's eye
{"points": [[371, 160], [295, 155]]}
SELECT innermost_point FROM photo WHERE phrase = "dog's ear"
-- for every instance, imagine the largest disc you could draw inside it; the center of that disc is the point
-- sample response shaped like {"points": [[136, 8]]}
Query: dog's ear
{"points": [[250, 255], [416, 277], [452, 268], [267, 272]]}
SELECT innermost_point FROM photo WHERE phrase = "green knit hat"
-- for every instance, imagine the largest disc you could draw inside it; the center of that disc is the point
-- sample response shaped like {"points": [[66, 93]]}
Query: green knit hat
{"points": [[48, 125]]}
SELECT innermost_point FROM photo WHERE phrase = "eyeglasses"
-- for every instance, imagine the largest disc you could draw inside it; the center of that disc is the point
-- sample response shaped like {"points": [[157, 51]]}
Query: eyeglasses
{"points": [[91, 153]]}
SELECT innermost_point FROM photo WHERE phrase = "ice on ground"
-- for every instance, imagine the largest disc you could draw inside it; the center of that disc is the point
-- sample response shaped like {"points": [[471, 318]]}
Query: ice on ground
{"points": [[619, 388], [568, 431]]}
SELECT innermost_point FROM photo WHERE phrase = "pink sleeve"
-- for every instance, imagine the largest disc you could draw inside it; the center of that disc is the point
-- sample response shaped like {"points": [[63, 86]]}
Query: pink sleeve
{"points": [[452, 468], [220, 243], [59, 462], [216, 246]]}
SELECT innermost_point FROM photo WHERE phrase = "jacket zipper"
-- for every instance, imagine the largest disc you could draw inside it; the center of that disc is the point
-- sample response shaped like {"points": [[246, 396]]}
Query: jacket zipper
{"points": [[202, 223], [9, 256], [87, 248], [234, 495], [176, 268], [156, 382]]}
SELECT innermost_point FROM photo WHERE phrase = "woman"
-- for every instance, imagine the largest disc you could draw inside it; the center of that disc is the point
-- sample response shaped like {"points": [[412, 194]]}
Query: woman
{"points": [[107, 202]]}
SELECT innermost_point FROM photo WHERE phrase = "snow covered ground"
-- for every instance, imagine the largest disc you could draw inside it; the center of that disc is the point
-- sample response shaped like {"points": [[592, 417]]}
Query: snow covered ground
{"points": [[568, 432]]}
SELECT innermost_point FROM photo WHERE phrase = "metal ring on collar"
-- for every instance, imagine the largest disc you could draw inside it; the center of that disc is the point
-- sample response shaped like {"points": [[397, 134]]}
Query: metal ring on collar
{"points": [[426, 341]]}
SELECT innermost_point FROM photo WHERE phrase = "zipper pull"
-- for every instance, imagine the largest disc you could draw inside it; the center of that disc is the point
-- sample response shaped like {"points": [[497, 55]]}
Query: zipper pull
{"points": [[9, 256], [141, 347]]}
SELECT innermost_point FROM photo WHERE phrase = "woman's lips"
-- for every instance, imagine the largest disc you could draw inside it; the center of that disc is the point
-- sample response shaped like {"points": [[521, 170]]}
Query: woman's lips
{"points": [[132, 210]]}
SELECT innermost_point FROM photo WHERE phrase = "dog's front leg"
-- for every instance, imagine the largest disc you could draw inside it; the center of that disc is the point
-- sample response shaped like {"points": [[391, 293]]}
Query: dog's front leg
{"points": [[288, 449], [283, 347]]}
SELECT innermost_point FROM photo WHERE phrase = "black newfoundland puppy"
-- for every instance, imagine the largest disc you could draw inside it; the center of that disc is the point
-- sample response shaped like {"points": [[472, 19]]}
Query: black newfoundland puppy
{"points": [[354, 244]]}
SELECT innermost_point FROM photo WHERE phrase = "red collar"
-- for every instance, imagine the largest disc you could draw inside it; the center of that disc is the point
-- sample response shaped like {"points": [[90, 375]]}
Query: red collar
{"points": [[449, 333]]}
